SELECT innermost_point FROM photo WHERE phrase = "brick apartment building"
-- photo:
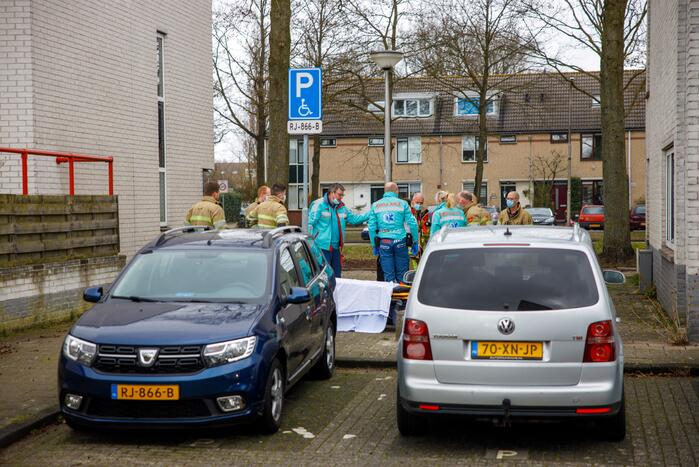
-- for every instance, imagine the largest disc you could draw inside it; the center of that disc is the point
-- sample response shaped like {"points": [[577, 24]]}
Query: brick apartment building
{"points": [[435, 137], [673, 156], [127, 79]]}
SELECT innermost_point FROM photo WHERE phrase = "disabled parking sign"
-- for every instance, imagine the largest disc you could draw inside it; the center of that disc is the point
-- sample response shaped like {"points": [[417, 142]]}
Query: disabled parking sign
{"points": [[305, 101]]}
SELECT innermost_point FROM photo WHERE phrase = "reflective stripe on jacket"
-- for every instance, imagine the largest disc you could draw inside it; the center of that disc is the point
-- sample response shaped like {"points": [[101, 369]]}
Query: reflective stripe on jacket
{"points": [[449, 217], [320, 218], [388, 216], [206, 212], [270, 214]]}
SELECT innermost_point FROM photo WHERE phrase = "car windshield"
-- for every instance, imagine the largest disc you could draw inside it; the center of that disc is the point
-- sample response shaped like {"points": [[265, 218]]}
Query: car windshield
{"points": [[593, 210], [508, 279], [196, 276], [540, 211], [640, 209]]}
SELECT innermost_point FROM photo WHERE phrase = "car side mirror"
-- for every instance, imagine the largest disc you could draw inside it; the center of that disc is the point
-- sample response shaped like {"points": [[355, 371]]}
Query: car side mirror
{"points": [[298, 295], [409, 277], [612, 276], [92, 294]]}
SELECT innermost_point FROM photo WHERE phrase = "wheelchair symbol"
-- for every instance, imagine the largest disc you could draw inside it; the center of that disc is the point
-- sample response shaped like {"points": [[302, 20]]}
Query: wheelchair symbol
{"points": [[304, 110]]}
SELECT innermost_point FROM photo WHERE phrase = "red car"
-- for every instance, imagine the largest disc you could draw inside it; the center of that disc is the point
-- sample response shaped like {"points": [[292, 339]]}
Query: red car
{"points": [[637, 217], [591, 217]]}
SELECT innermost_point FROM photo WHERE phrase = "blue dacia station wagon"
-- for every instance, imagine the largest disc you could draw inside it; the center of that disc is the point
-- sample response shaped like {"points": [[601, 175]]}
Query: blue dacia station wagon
{"points": [[202, 328]]}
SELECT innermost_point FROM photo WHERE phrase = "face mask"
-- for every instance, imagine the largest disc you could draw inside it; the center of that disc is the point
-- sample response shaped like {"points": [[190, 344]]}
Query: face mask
{"points": [[336, 201], [417, 206], [511, 203]]}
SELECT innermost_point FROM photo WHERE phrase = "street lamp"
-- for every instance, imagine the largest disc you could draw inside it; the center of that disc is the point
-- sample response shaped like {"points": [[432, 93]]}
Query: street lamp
{"points": [[386, 60], [569, 188]]}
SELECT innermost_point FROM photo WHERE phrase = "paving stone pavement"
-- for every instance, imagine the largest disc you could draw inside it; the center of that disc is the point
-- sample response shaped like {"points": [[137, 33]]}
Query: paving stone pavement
{"points": [[350, 420]]}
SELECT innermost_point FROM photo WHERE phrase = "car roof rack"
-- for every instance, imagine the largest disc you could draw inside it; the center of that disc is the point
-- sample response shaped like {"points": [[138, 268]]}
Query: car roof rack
{"points": [[187, 228], [270, 236], [577, 233]]}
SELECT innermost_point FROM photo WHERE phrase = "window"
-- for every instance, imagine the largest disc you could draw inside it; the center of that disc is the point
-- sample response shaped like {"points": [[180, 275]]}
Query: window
{"points": [[508, 139], [306, 265], [328, 142], [593, 210], [407, 190], [596, 101], [559, 138], [468, 106], [536, 278], [592, 192], [162, 176], [287, 275], [412, 107], [376, 141], [295, 189], [469, 147], [408, 150], [471, 185], [591, 147], [670, 197]]}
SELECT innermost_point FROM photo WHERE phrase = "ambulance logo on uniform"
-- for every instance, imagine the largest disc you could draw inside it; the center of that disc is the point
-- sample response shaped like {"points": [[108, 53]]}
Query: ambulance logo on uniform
{"points": [[389, 217]]}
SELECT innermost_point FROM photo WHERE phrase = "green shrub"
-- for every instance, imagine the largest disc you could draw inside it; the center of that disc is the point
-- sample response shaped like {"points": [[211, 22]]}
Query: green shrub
{"points": [[231, 205]]}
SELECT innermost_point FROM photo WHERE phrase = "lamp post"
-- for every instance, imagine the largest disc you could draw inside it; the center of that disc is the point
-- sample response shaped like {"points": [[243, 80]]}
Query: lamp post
{"points": [[386, 60], [569, 194]]}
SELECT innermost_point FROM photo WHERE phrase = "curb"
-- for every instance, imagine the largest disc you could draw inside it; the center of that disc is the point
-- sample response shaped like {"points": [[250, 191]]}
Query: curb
{"points": [[17, 431], [629, 368]]}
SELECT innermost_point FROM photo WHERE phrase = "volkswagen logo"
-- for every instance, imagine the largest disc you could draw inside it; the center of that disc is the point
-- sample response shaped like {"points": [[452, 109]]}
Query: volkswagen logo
{"points": [[146, 357], [506, 326]]}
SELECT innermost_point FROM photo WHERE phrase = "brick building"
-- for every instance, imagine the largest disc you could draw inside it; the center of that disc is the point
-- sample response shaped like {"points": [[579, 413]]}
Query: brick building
{"points": [[672, 146], [435, 136], [127, 79]]}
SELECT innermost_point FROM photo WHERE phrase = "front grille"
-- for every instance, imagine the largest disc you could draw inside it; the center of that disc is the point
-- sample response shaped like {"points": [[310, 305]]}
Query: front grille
{"points": [[148, 409], [123, 359]]}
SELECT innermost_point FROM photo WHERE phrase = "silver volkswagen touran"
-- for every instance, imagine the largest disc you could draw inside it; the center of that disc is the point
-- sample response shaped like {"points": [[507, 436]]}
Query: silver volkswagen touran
{"points": [[505, 322]]}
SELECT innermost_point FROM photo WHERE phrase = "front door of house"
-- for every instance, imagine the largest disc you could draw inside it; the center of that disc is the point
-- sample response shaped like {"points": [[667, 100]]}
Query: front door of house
{"points": [[505, 188]]}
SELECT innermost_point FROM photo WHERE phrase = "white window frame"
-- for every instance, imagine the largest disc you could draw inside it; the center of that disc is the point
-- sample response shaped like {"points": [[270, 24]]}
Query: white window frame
{"points": [[332, 142], [670, 179], [475, 150], [508, 139], [410, 143], [294, 202], [408, 190], [373, 141], [162, 169], [596, 101], [402, 102], [492, 97], [472, 184]]}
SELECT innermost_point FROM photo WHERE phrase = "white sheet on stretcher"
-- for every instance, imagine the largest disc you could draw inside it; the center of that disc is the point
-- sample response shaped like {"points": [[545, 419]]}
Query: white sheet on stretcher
{"points": [[362, 306]]}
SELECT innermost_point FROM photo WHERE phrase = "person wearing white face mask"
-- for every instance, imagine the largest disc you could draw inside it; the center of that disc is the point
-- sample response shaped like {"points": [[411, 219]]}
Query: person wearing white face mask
{"points": [[514, 214], [327, 218], [272, 213]]}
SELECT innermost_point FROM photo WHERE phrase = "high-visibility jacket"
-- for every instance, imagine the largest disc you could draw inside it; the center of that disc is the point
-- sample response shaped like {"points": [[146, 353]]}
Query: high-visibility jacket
{"points": [[388, 216], [476, 215], [270, 214], [520, 217], [423, 224], [321, 216], [250, 221], [206, 212], [450, 217]]}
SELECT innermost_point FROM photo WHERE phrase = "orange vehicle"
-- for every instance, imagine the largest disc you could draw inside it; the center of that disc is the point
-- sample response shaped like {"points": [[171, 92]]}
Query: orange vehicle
{"points": [[591, 216]]}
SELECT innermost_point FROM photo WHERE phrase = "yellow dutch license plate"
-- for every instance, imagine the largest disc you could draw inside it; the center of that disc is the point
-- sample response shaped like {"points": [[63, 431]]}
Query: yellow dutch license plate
{"points": [[595, 225], [146, 392], [495, 350]]}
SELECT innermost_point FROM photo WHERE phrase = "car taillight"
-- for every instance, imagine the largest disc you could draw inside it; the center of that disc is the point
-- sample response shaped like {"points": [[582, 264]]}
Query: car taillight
{"points": [[599, 345], [416, 340]]}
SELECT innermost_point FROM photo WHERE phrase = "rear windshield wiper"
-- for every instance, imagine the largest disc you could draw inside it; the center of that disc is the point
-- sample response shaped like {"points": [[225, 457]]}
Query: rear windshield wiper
{"points": [[526, 305], [135, 298]]}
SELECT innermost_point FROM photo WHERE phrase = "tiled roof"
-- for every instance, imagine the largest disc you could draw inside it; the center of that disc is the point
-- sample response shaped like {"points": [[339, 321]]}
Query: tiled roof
{"points": [[534, 102]]}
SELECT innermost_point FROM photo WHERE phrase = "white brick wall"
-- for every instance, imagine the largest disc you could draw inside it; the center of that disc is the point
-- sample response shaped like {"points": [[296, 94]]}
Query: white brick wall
{"points": [[93, 90]]}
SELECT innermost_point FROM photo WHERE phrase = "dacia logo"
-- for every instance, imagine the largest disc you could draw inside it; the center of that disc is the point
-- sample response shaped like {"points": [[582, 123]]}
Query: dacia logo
{"points": [[146, 357]]}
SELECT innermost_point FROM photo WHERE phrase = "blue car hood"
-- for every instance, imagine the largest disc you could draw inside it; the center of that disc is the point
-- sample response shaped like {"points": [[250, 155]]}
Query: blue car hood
{"points": [[125, 322]]}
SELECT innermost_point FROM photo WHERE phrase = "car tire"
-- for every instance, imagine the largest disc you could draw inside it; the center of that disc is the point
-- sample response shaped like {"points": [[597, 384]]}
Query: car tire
{"points": [[409, 424], [325, 367], [270, 419], [613, 428]]}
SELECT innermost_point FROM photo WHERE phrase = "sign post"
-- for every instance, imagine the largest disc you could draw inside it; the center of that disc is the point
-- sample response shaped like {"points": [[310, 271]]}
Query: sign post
{"points": [[223, 188], [305, 117]]}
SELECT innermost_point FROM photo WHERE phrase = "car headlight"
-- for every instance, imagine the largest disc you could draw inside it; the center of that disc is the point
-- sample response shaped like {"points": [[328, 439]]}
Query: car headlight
{"points": [[230, 351], [79, 350]]}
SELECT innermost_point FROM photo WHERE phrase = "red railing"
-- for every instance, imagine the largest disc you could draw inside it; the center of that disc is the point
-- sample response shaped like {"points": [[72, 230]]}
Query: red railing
{"points": [[61, 158]]}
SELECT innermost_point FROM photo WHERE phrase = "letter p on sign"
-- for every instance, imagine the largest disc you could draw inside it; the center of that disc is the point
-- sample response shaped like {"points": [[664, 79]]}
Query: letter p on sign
{"points": [[304, 80], [502, 454]]}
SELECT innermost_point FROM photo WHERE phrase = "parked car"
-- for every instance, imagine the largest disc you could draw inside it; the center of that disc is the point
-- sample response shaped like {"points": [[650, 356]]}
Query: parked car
{"points": [[542, 216], [637, 217], [546, 345], [494, 213], [201, 328], [591, 216]]}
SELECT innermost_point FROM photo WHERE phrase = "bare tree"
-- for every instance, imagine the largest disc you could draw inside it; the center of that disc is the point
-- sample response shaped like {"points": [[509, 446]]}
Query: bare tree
{"points": [[279, 60], [615, 31], [487, 42], [241, 46], [546, 169]]}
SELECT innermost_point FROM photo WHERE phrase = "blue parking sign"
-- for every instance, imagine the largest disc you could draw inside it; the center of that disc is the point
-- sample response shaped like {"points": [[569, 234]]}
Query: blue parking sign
{"points": [[305, 87]]}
